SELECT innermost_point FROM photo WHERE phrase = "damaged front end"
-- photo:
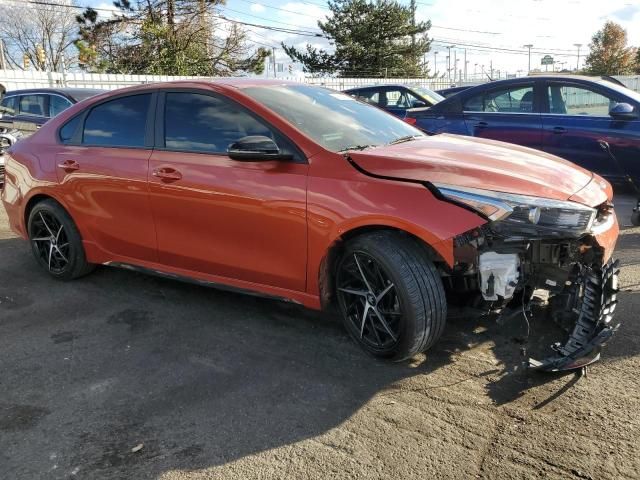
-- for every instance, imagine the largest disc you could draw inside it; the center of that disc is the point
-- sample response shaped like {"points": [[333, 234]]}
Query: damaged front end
{"points": [[531, 243]]}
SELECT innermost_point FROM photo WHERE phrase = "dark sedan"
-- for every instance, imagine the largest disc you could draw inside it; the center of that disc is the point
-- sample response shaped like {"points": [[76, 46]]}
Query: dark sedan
{"points": [[36, 106], [396, 99], [590, 121]]}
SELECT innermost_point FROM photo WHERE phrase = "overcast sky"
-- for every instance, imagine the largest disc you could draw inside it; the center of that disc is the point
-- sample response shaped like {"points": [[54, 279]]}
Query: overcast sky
{"points": [[552, 26]]}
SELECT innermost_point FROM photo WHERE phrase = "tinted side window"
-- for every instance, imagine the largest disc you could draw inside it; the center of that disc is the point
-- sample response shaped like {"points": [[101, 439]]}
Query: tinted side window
{"points": [[57, 105], [570, 100], [32, 105], [518, 99], [69, 128], [369, 96], [204, 123], [120, 122], [9, 104]]}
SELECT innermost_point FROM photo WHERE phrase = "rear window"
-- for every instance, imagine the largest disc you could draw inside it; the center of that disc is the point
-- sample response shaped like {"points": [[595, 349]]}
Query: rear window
{"points": [[121, 122]]}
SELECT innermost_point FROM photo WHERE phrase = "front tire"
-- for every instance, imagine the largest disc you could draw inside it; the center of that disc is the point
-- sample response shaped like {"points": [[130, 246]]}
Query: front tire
{"points": [[390, 294], [55, 241]]}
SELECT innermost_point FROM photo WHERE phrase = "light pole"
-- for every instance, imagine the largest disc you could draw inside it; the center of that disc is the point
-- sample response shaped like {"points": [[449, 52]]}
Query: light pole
{"points": [[455, 66], [475, 71], [449, 61], [435, 63], [578, 45], [529, 46]]}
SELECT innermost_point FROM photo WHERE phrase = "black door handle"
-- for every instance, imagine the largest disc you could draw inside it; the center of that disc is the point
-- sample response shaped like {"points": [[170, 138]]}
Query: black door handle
{"points": [[481, 125], [559, 130]]}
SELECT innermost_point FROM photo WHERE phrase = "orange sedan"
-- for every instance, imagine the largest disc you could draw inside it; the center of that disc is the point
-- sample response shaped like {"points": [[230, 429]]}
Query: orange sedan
{"points": [[307, 195]]}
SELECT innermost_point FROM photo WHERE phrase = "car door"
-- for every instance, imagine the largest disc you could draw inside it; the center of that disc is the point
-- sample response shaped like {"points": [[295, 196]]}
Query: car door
{"points": [[243, 220], [508, 113], [102, 163], [577, 126]]}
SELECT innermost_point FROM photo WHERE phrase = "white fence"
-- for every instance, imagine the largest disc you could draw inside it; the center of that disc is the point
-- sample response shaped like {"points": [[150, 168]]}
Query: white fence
{"points": [[18, 79]]}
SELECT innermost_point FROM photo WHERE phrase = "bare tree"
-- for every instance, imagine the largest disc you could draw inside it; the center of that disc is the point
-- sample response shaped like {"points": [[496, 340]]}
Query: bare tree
{"points": [[27, 27]]}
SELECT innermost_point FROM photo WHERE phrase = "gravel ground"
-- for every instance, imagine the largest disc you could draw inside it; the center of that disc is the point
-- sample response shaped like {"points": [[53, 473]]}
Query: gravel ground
{"points": [[120, 375]]}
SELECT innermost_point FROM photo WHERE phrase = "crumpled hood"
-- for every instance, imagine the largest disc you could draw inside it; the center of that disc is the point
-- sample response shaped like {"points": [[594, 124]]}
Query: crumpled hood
{"points": [[478, 163]]}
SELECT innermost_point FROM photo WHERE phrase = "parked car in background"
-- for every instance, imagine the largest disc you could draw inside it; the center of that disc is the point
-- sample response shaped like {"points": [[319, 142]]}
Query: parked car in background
{"points": [[36, 106], [302, 193], [448, 92], [590, 121], [396, 99]]}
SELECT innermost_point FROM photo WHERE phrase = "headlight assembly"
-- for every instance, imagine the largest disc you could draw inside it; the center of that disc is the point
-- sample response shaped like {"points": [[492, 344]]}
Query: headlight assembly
{"points": [[523, 214]]}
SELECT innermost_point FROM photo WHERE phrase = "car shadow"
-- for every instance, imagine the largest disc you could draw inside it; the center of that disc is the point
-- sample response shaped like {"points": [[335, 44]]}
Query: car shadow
{"points": [[199, 377]]}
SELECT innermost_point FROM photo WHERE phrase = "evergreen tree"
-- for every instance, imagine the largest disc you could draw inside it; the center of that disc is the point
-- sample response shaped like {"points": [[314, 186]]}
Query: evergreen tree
{"points": [[609, 52], [165, 37], [371, 38]]}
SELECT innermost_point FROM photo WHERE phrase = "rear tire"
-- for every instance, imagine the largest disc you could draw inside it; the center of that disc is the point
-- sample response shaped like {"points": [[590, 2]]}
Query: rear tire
{"points": [[55, 241], [390, 294]]}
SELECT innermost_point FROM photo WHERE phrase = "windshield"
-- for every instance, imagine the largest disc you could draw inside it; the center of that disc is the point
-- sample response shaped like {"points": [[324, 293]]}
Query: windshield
{"points": [[427, 94], [334, 120]]}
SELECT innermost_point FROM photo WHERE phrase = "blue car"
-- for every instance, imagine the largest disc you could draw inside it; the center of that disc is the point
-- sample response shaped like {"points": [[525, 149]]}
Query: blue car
{"points": [[591, 121], [396, 99]]}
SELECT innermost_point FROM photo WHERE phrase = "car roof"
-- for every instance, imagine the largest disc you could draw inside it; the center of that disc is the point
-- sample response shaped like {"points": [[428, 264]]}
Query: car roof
{"points": [[378, 85], [72, 93]]}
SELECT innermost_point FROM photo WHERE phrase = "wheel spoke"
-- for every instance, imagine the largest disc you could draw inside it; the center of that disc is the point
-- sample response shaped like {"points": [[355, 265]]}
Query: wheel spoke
{"points": [[351, 291], [41, 239], [377, 335], [364, 278], [384, 292], [364, 318], [384, 323], [61, 254], [50, 254], [46, 226], [58, 234]]}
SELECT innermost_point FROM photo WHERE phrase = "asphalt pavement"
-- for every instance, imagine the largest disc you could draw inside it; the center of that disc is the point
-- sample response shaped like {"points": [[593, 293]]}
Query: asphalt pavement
{"points": [[122, 375]]}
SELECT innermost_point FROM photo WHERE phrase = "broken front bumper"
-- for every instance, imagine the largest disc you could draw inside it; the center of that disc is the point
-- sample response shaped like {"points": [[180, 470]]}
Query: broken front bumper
{"points": [[578, 273], [594, 302]]}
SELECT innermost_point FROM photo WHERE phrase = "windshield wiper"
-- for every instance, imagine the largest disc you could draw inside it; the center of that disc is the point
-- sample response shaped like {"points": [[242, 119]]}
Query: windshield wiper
{"points": [[406, 138], [356, 147]]}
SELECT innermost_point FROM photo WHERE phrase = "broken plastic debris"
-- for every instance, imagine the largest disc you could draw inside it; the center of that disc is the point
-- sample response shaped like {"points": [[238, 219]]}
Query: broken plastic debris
{"points": [[137, 448]]}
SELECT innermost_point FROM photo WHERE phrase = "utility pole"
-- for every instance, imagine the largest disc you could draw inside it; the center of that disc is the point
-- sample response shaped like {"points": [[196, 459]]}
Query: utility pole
{"points": [[435, 63], [529, 46], [466, 62], [475, 71], [578, 62], [449, 62], [413, 24], [455, 66], [491, 68], [3, 62], [273, 50]]}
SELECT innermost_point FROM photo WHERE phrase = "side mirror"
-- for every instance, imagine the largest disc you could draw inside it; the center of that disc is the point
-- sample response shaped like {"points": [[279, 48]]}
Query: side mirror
{"points": [[623, 111], [418, 104], [255, 148]]}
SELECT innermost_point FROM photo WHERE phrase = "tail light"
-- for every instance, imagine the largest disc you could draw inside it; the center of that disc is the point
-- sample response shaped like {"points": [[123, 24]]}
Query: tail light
{"points": [[410, 120]]}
